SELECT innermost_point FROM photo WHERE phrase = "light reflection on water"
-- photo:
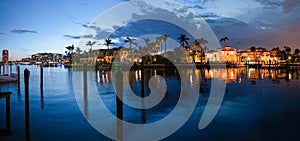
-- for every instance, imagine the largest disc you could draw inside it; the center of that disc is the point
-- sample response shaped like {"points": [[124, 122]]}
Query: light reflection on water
{"points": [[258, 103]]}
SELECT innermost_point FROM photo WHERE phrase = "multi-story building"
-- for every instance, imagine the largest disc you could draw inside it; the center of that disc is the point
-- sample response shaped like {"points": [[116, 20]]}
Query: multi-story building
{"points": [[212, 56], [228, 54], [5, 56], [258, 56], [46, 57], [100, 55]]}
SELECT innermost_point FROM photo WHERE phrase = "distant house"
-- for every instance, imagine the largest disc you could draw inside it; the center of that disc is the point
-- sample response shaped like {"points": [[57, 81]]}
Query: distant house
{"points": [[5, 56], [100, 55], [258, 56], [228, 54], [212, 56], [46, 57]]}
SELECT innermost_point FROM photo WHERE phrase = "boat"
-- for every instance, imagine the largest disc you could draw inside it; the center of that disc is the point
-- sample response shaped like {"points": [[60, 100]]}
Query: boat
{"points": [[9, 78]]}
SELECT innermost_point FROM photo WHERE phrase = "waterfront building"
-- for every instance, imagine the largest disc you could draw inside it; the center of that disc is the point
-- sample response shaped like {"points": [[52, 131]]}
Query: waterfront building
{"points": [[46, 57], [258, 56], [212, 56], [227, 54], [100, 55], [5, 56]]}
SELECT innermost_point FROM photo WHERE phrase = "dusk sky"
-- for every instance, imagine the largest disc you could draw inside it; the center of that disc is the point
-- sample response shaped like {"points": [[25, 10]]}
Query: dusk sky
{"points": [[31, 26]]}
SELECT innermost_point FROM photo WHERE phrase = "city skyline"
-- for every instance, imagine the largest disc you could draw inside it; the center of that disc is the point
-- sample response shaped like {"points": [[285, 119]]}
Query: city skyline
{"points": [[28, 27]]}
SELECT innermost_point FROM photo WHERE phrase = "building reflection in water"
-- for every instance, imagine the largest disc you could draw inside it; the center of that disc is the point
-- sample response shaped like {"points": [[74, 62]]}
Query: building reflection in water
{"points": [[103, 77], [235, 75], [229, 75]]}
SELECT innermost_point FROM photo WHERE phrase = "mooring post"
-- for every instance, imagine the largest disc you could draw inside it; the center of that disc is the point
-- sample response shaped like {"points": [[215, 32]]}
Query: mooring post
{"points": [[7, 130], [119, 102], [26, 82], [85, 90], [143, 90], [41, 77], [18, 71], [10, 68], [0, 68], [3, 68]]}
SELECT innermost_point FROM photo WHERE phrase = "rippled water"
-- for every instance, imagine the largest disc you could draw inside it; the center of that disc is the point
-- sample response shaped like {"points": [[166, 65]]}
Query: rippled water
{"points": [[258, 105]]}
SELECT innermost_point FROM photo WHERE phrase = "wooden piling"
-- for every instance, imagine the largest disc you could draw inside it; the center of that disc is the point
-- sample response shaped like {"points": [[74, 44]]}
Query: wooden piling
{"points": [[41, 77], [10, 68], [18, 71], [26, 82], [85, 91], [3, 68], [7, 130], [119, 103], [143, 90], [8, 113]]}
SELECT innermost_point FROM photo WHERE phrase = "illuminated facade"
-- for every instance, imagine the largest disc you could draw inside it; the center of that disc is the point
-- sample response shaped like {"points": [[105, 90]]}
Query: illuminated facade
{"points": [[258, 56], [228, 54]]}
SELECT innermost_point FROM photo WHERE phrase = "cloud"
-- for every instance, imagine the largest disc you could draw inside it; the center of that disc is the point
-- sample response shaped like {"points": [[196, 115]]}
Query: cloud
{"points": [[73, 37], [75, 20], [22, 31], [78, 37], [252, 25], [286, 5], [1, 33], [210, 15]]}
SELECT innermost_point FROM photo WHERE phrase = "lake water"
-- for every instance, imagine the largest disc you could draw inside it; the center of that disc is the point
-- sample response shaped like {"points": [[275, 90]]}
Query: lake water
{"points": [[258, 104]]}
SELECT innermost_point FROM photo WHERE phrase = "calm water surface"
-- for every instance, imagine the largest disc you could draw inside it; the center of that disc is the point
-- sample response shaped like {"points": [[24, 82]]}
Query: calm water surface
{"points": [[258, 105]]}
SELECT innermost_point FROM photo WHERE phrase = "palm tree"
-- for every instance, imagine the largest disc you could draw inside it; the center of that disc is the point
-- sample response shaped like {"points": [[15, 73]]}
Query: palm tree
{"points": [[78, 50], [70, 49], [147, 40], [107, 43], [183, 40], [70, 52], [197, 45], [148, 46], [296, 52], [203, 42], [156, 46], [165, 38], [160, 41], [77, 56], [224, 40], [130, 41], [287, 49], [89, 43]]}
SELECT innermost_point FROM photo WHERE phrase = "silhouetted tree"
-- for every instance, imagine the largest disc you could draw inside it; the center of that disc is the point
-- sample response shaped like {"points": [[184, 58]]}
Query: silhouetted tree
{"points": [[107, 43], [287, 50], [89, 43], [70, 53], [131, 42], [296, 52], [224, 39], [183, 40]]}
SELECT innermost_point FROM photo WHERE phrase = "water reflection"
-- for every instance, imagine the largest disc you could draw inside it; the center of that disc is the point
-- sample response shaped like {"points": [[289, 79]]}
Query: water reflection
{"points": [[235, 75]]}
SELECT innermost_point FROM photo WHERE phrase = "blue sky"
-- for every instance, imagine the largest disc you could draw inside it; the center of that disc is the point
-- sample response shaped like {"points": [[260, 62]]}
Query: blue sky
{"points": [[30, 26]]}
